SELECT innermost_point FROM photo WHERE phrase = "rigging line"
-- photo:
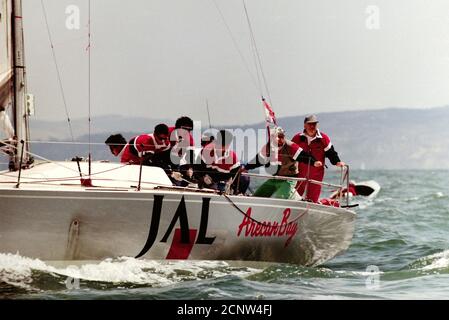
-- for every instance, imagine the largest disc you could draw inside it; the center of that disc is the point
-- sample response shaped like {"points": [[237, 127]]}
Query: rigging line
{"points": [[67, 142], [60, 142], [257, 52], [52, 182], [300, 215], [57, 70], [258, 88], [97, 180], [76, 177], [45, 159], [256, 55], [253, 51]]}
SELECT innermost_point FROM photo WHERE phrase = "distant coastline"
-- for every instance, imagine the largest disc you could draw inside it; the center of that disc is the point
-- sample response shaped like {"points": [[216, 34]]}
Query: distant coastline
{"points": [[393, 138]]}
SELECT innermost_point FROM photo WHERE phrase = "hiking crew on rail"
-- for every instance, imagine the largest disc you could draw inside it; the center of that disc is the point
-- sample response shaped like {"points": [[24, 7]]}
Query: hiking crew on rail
{"points": [[217, 166]]}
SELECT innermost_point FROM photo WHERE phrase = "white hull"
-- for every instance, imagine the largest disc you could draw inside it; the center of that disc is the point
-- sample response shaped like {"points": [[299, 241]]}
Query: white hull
{"points": [[72, 222]]}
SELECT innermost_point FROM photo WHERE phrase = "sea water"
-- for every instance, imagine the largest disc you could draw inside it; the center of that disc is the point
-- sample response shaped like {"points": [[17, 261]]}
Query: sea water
{"points": [[400, 250]]}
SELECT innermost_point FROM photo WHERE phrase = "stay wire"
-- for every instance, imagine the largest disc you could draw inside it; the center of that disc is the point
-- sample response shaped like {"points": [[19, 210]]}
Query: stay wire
{"points": [[234, 41], [61, 87], [256, 50]]}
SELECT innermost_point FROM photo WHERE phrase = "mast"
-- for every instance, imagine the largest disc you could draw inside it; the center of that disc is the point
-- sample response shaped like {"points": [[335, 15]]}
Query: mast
{"points": [[89, 87], [19, 108]]}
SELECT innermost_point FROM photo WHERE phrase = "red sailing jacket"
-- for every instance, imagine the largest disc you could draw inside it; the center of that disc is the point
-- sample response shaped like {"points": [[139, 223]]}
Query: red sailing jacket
{"points": [[320, 147], [137, 146], [181, 142], [224, 164], [179, 135], [287, 156]]}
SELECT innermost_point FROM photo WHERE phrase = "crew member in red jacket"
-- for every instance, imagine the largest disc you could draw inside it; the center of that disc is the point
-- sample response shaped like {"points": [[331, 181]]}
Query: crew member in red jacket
{"points": [[219, 164], [319, 145], [181, 141], [287, 156], [182, 150], [134, 151]]}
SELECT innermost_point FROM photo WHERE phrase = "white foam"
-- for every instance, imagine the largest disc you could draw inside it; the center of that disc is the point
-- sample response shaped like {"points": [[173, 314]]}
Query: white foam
{"points": [[359, 273], [383, 199], [363, 204], [440, 261], [18, 269]]}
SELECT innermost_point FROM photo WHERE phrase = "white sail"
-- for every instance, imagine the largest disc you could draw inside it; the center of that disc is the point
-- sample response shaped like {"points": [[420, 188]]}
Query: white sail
{"points": [[6, 56], [6, 125], [6, 67], [13, 83]]}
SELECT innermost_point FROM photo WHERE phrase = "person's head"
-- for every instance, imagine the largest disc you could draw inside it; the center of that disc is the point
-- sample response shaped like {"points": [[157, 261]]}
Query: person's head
{"points": [[280, 136], [224, 139], [311, 125], [116, 143], [206, 138], [161, 133], [184, 123]]}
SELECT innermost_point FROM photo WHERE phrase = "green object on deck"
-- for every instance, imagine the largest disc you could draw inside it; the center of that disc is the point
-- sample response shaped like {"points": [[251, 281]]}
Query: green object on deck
{"points": [[280, 189]]}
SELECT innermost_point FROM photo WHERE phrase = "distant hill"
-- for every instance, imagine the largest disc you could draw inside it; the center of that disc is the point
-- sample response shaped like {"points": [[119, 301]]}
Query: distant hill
{"points": [[59, 130], [387, 139], [376, 139]]}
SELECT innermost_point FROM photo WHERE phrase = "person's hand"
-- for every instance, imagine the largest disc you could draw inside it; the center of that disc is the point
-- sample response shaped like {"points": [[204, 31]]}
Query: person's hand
{"points": [[340, 164], [177, 175], [317, 164], [243, 168]]}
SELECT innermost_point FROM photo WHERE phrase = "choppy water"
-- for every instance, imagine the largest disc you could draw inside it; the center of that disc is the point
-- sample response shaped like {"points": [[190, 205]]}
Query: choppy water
{"points": [[400, 250]]}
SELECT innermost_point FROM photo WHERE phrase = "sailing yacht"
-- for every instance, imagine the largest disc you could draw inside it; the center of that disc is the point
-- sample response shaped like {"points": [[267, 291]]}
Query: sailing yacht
{"points": [[48, 211]]}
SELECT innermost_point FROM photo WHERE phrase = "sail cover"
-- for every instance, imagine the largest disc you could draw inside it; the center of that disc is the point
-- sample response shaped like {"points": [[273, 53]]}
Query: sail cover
{"points": [[6, 65]]}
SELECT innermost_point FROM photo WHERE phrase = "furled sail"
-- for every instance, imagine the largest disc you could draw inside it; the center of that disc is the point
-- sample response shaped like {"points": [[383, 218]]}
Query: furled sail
{"points": [[6, 66]]}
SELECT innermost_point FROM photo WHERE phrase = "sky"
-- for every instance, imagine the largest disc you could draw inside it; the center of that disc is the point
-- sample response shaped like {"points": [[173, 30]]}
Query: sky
{"points": [[166, 58]]}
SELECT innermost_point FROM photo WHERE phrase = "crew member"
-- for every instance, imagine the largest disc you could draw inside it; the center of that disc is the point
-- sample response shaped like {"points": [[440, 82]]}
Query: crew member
{"points": [[145, 147], [319, 145], [182, 148], [286, 155], [206, 138], [219, 164], [181, 142]]}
